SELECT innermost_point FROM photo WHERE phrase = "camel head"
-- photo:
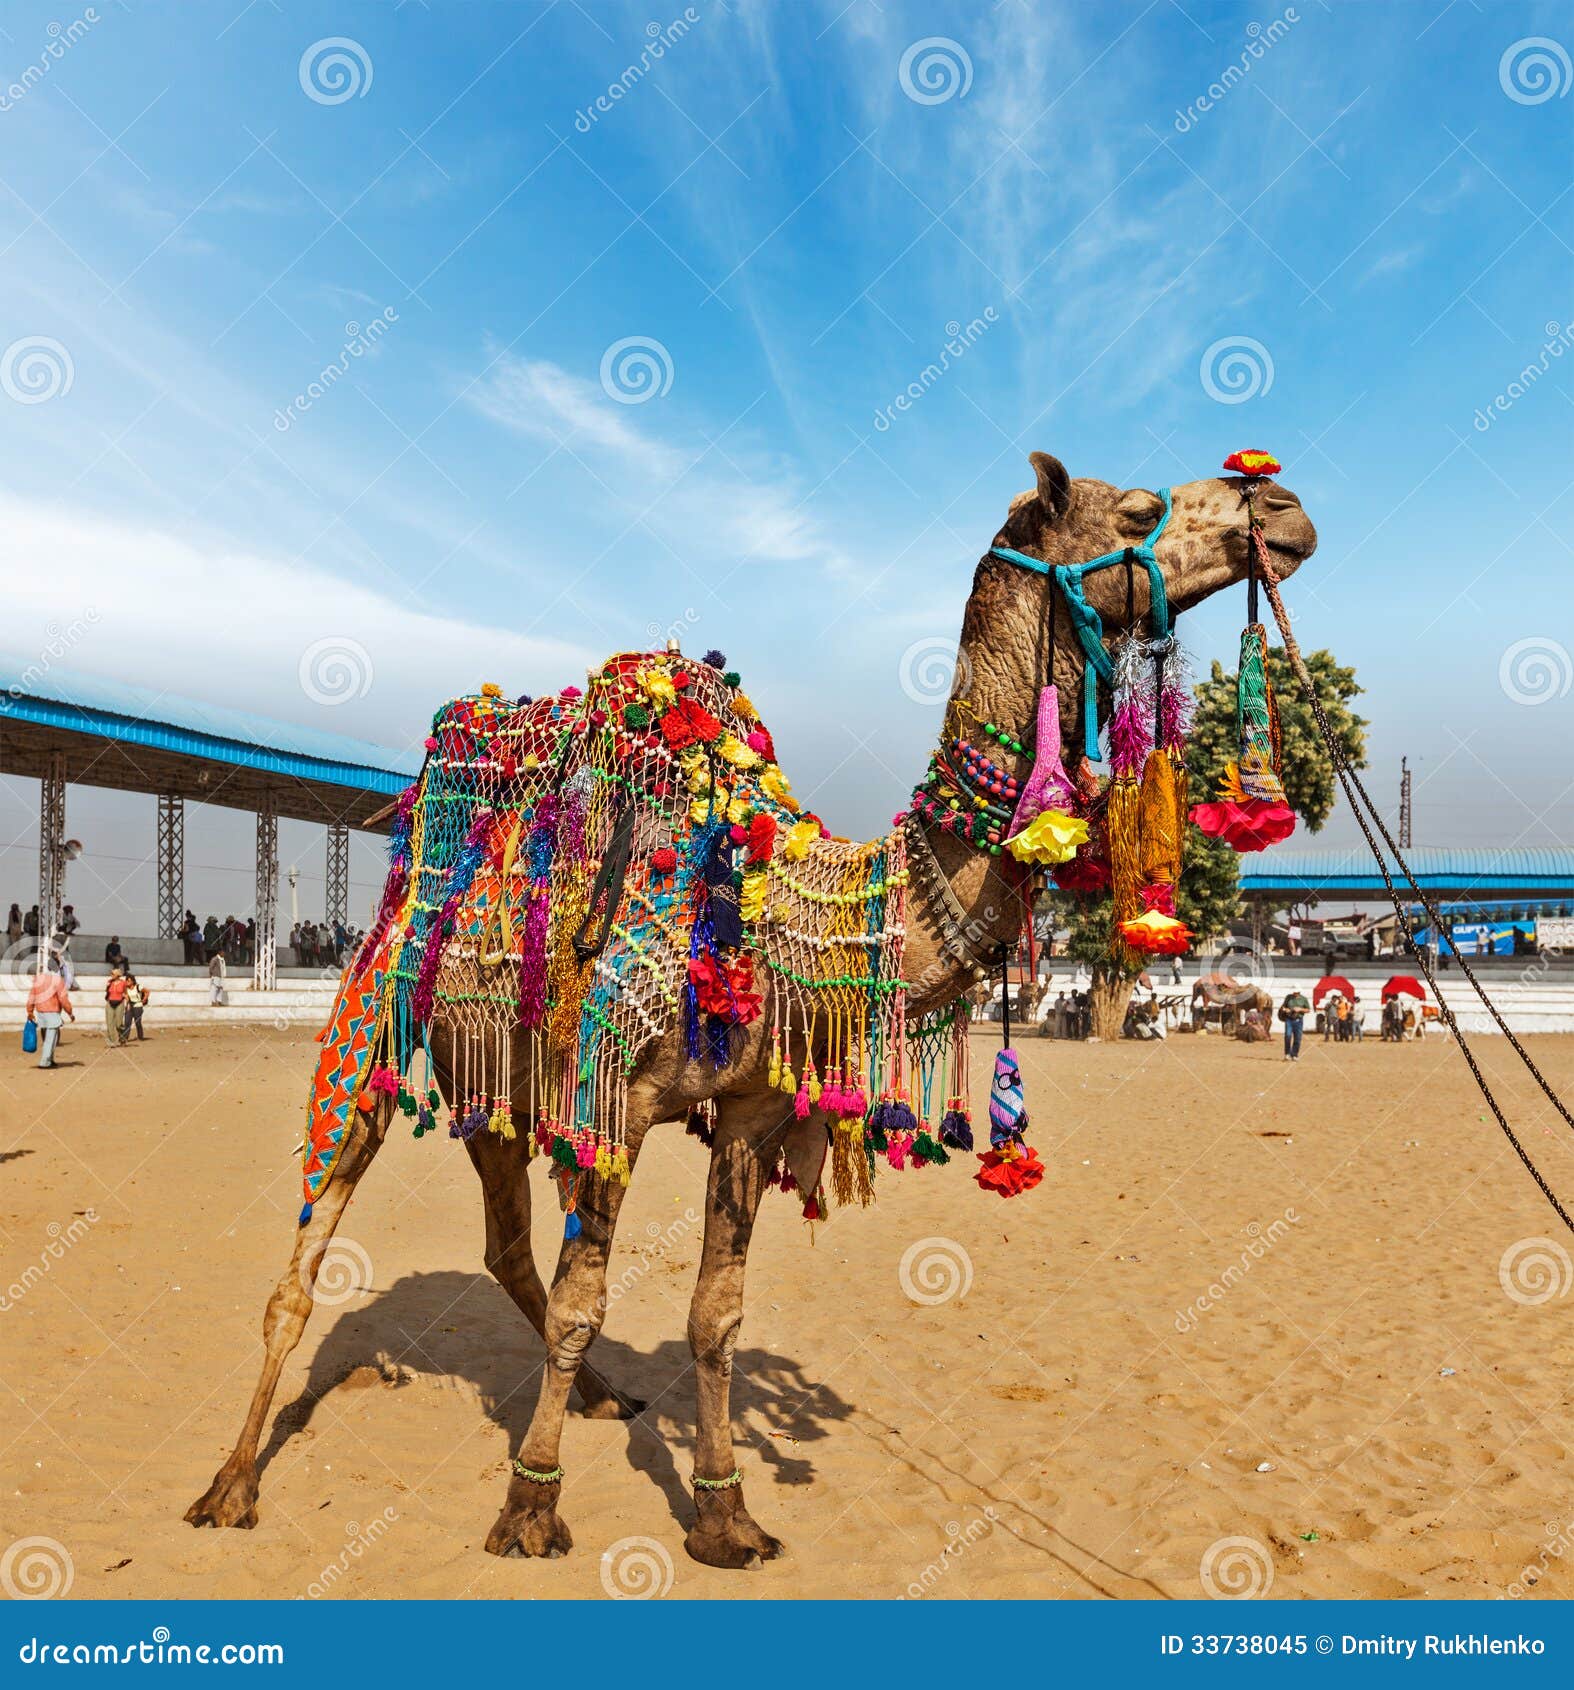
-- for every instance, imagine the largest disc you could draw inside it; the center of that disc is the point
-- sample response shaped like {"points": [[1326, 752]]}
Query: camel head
{"points": [[1005, 633]]}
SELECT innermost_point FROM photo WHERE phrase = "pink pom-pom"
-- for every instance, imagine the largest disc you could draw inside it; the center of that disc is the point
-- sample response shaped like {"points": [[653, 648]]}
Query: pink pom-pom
{"points": [[756, 741], [738, 833], [572, 692], [431, 742]]}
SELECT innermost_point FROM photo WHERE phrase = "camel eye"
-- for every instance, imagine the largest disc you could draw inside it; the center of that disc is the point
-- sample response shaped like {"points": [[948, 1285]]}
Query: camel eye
{"points": [[1139, 508]]}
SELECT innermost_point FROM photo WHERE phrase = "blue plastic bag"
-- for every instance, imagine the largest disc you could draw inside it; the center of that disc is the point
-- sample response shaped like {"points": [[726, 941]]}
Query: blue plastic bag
{"points": [[29, 1037]]}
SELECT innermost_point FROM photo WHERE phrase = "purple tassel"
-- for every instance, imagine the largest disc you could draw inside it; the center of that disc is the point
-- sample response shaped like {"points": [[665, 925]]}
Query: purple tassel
{"points": [[900, 1118], [956, 1130]]}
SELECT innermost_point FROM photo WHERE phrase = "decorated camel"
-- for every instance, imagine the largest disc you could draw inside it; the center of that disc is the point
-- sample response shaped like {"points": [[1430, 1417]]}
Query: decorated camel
{"points": [[606, 911]]}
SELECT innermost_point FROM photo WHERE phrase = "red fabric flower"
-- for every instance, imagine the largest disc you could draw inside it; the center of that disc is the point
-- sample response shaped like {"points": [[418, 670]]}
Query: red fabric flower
{"points": [[762, 836], [663, 860], [686, 721], [1248, 825], [1008, 1176], [1253, 462], [1083, 874], [727, 989]]}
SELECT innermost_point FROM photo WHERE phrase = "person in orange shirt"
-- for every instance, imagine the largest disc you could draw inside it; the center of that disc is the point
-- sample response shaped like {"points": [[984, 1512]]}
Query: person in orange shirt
{"points": [[47, 1001], [115, 1007]]}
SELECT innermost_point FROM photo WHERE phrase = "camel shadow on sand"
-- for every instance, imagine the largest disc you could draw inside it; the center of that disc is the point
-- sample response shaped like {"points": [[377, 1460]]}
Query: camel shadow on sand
{"points": [[463, 1327]]}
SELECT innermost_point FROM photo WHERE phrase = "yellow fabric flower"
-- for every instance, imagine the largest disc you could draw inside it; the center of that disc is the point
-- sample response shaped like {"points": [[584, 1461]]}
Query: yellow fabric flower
{"points": [[1051, 837], [799, 838], [658, 684], [775, 783], [736, 752], [743, 707], [751, 903]]}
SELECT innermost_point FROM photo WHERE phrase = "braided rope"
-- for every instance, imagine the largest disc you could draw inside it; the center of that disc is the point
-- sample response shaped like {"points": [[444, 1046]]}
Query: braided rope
{"points": [[1351, 782]]}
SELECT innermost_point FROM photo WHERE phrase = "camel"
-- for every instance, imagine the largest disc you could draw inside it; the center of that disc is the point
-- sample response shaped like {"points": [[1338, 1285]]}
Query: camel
{"points": [[1002, 662]]}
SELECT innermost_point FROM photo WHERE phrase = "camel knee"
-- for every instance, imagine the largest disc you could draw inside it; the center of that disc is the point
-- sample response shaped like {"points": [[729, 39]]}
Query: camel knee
{"points": [[713, 1338], [568, 1336]]}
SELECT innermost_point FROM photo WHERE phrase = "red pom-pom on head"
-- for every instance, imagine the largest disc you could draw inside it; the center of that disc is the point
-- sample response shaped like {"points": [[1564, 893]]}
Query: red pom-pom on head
{"points": [[1253, 462]]}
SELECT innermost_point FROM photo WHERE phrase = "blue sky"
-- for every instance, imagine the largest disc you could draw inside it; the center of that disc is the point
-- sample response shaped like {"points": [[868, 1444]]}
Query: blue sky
{"points": [[622, 366]]}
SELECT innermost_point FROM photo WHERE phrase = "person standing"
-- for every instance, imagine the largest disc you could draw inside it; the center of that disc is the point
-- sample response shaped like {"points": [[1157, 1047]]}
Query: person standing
{"points": [[1292, 1012], [216, 998], [13, 925], [30, 922], [115, 1009], [136, 1002], [47, 1001]]}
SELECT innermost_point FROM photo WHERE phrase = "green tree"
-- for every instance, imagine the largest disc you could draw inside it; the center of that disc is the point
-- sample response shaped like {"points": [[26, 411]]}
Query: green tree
{"points": [[1208, 895]]}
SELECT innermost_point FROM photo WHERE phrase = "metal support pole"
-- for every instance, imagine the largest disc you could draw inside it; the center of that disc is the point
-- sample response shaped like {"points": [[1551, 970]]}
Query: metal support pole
{"points": [[171, 852], [51, 852], [337, 907], [264, 967]]}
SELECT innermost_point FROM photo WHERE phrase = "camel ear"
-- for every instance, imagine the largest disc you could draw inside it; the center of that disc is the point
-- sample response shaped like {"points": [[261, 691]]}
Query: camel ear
{"points": [[1054, 485]]}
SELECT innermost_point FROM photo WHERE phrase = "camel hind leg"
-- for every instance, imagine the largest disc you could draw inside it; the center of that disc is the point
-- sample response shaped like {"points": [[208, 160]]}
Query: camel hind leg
{"points": [[231, 1500], [503, 1168]]}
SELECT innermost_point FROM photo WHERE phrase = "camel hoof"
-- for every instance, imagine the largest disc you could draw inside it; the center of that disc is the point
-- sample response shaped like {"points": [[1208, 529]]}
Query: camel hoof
{"points": [[529, 1524], [726, 1535], [231, 1500]]}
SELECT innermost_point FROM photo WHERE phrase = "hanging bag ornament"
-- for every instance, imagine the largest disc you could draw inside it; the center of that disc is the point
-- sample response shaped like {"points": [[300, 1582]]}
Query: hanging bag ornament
{"points": [[1009, 1166], [1130, 736], [1046, 828], [1250, 811]]}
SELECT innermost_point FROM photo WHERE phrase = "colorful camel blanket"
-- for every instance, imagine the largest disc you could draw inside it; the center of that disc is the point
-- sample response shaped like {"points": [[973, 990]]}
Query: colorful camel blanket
{"points": [[571, 876]]}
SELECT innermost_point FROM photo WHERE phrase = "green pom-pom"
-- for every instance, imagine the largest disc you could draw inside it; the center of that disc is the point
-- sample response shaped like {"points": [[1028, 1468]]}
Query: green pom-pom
{"points": [[732, 678], [635, 716]]}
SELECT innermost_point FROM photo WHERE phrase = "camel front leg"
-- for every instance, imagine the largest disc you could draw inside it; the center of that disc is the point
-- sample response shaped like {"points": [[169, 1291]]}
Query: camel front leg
{"points": [[576, 1306], [503, 1166], [231, 1500], [745, 1148]]}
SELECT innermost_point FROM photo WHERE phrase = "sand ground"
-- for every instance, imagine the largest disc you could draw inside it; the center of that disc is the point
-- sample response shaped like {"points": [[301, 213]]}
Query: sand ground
{"points": [[1251, 1301]]}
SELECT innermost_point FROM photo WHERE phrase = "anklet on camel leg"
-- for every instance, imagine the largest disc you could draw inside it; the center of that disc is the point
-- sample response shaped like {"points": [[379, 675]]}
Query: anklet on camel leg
{"points": [[734, 1478], [550, 1477]]}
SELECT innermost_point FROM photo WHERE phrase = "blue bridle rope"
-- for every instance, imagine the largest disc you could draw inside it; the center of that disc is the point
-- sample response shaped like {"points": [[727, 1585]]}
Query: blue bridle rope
{"points": [[1085, 619]]}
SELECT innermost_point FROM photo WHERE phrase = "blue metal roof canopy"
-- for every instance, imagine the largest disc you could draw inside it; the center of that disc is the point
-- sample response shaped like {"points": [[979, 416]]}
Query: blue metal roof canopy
{"points": [[1447, 871], [137, 740]]}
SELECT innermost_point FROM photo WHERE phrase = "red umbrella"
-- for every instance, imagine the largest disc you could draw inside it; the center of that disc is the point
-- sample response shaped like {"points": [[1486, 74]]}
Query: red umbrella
{"points": [[1405, 985], [1332, 983]]}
